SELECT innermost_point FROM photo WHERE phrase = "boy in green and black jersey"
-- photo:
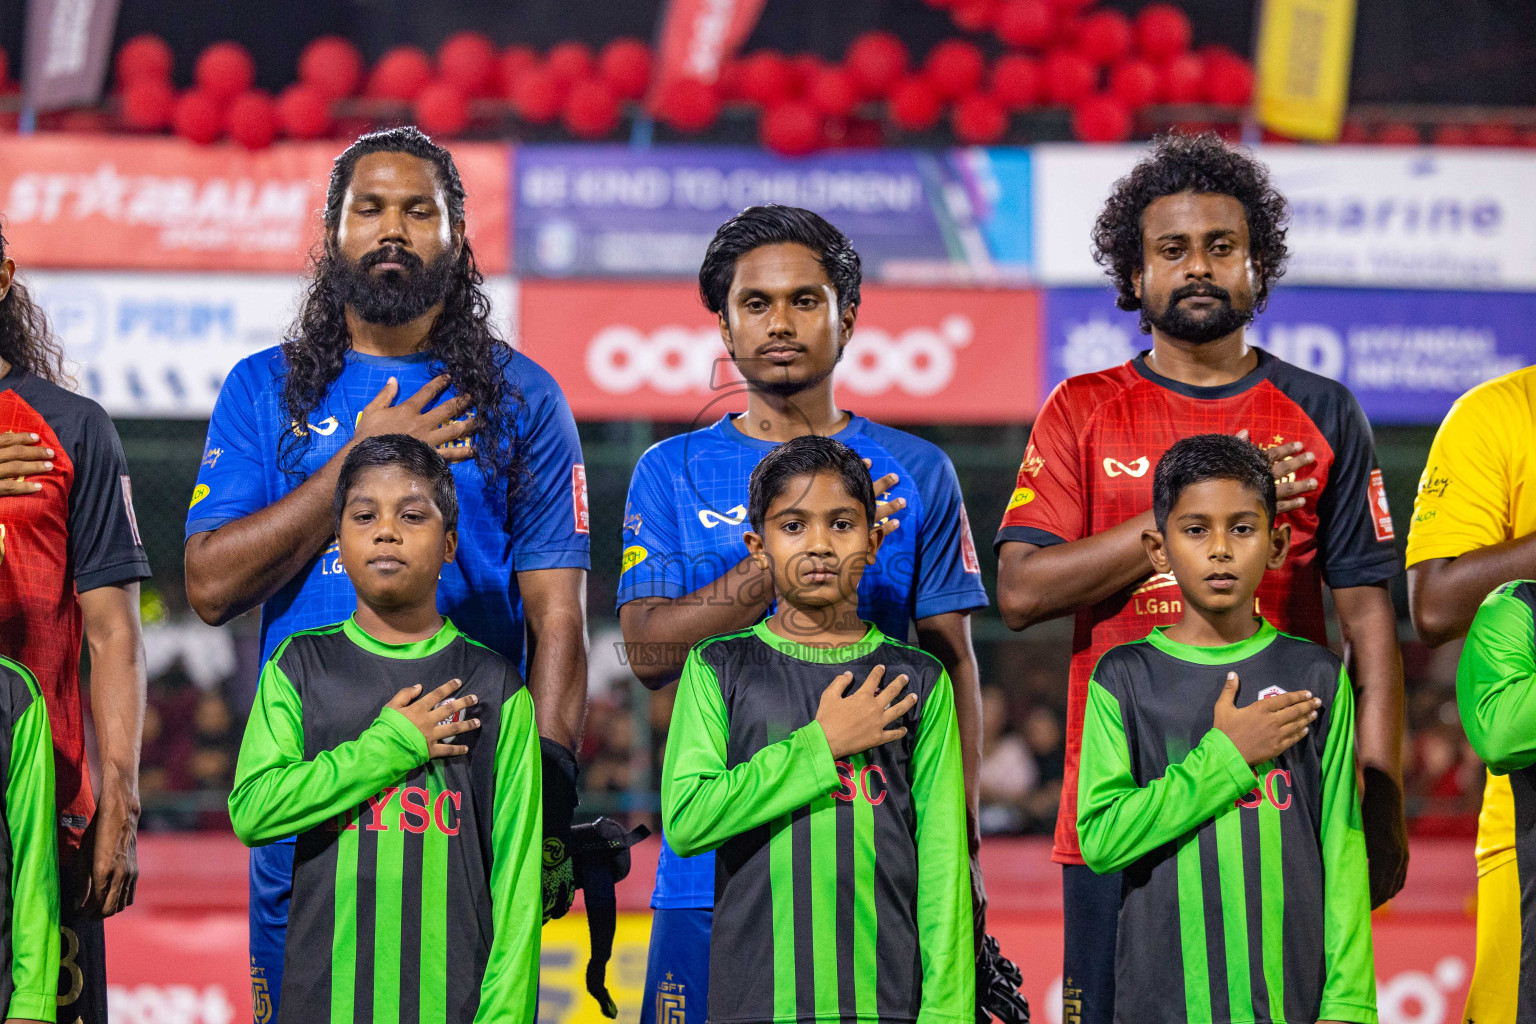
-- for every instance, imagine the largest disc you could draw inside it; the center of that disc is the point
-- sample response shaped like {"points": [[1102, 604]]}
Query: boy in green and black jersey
{"points": [[837, 807], [1218, 773], [416, 879], [29, 877]]}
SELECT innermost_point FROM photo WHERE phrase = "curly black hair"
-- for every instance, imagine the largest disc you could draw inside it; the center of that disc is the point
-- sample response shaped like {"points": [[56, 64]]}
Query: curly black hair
{"points": [[463, 342], [26, 342], [1191, 163]]}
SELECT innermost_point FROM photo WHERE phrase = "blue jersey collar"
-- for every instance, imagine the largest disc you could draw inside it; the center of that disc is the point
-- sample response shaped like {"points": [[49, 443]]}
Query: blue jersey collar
{"points": [[727, 430], [424, 356]]}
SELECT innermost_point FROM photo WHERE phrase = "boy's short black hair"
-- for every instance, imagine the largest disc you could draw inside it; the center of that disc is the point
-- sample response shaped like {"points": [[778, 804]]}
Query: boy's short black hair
{"points": [[807, 456], [1210, 457], [417, 458], [757, 226]]}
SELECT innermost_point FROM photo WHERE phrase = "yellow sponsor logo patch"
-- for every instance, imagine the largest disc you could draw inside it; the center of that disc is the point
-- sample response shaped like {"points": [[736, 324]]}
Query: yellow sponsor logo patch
{"points": [[198, 494], [633, 556], [1021, 496]]}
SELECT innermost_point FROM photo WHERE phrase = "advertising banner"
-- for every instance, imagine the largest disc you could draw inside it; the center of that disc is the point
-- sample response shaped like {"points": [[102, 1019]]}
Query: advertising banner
{"points": [[919, 355], [914, 217], [1387, 218], [123, 203], [697, 36], [1406, 355], [160, 345]]}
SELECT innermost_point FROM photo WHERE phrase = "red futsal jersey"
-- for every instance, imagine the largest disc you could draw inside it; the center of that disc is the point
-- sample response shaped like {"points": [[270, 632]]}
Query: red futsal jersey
{"points": [[1089, 467], [76, 534]]}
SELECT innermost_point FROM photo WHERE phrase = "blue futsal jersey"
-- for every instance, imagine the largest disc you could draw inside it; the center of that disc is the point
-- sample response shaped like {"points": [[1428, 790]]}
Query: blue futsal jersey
{"points": [[683, 527], [548, 528]]}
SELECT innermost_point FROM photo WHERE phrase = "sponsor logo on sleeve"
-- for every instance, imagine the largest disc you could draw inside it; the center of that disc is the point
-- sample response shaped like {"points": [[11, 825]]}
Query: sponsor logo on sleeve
{"points": [[198, 494], [1381, 516], [968, 544], [579, 498], [211, 456], [1433, 482], [133, 521], [1021, 496], [633, 556], [1033, 462], [632, 521]]}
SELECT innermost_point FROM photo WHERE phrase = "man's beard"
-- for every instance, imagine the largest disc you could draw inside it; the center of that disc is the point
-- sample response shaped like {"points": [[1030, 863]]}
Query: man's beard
{"points": [[394, 297], [1197, 328]]}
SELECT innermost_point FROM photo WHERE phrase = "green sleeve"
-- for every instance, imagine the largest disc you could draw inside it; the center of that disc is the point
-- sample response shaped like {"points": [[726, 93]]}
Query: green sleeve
{"points": [[1119, 821], [703, 804], [29, 814], [279, 794], [1496, 683], [1349, 985], [945, 932], [510, 987]]}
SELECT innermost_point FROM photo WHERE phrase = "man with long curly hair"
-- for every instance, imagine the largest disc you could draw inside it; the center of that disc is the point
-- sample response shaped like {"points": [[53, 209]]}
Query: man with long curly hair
{"points": [[1194, 237], [394, 337], [70, 565]]}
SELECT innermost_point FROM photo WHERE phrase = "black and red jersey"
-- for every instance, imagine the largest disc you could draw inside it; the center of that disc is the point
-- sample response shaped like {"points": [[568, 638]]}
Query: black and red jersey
{"points": [[76, 534], [1089, 467]]}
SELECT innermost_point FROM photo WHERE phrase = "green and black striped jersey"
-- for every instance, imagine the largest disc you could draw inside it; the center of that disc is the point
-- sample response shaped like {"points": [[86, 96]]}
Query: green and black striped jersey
{"points": [[29, 874], [842, 888], [1245, 895], [1496, 693], [415, 881]]}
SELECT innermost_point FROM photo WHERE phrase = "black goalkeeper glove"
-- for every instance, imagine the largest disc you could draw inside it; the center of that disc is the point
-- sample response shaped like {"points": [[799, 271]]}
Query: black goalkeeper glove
{"points": [[601, 853], [997, 987], [560, 771]]}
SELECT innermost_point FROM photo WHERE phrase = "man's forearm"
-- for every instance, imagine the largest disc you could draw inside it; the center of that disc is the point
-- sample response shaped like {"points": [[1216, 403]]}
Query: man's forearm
{"points": [[658, 631], [948, 638], [117, 691], [1369, 625], [1035, 584], [241, 564], [1444, 593], [555, 603]]}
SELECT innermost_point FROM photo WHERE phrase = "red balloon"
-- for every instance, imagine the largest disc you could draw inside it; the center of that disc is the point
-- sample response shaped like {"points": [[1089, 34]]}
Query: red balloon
{"points": [[833, 92], [514, 60], [591, 109], [199, 116], [1069, 76], [143, 56], [1135, 82], [5, 65], [1105, 36], [467, 61], [877, 61], [625, 65], [1101, 118], [570, 61], [804, 67], [225, 69], [537, 95], [304, 111], [1354, 133], [400, 74], [442, 109], [955, 68], [1528, 138], [792, 128], [1183, 79], [1069, 6], [1398, 135], [1228, 81], [1453, 135], [252, 120], [1495, 134], [688, 105], [1026, 23], [979, 120], [84, 121], [976, 15], [1162, 32], [767, 78], [1016, 81], [915, 106], [148, 105], [332, 65]]}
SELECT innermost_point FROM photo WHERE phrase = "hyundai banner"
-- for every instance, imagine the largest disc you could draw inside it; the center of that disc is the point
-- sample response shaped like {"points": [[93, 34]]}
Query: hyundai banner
{"points": [[1406, 355], [160, 345], [1389, 218], [918, 355], [914, 217]]}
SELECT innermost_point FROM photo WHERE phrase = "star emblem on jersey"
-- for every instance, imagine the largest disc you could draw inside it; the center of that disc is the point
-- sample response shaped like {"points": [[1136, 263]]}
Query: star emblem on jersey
{"points": [[732, 517], [1137, 468], [1271, 691]]}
